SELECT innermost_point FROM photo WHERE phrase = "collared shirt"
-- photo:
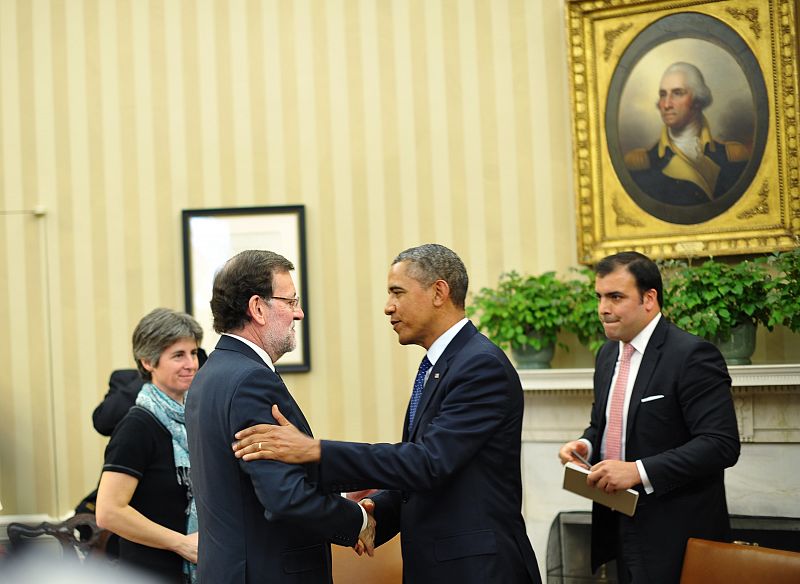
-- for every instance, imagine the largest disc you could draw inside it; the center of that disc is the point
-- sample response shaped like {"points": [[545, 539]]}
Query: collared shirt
{"points": [[439, 345], [259, 351], [639, 344]]}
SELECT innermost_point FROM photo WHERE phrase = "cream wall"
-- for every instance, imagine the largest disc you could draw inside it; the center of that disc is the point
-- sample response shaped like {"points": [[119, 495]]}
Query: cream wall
{"points": [[394, 123]]}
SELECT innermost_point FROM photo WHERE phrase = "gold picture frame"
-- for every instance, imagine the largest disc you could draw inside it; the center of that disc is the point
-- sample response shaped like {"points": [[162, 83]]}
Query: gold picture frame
{"points": [[626, 198]]}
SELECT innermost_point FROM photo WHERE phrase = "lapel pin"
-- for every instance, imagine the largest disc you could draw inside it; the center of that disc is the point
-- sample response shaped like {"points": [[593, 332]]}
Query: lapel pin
{"points": [[436, 376]]}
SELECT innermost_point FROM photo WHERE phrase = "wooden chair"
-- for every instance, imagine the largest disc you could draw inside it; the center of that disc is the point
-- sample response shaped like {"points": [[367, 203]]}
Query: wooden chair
{"points": [[79, 535], [713, 562], [386, 567]]}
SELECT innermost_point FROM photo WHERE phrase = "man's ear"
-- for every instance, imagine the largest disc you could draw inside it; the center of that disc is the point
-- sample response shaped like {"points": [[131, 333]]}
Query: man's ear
{"points": [[650, 300], [441, 292], [257, 309]]}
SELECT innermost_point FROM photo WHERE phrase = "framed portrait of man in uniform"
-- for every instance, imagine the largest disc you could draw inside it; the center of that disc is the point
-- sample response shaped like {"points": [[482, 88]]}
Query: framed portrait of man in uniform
{"points": [[684, 123]]}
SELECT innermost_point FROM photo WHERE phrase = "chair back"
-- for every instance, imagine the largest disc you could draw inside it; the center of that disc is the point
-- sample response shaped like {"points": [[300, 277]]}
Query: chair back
{"points": [[714, 562], [385, 568], [78, 535]]}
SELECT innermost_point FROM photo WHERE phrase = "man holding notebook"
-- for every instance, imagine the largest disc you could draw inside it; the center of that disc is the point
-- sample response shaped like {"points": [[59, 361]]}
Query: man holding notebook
{"points": [[662, 423]]}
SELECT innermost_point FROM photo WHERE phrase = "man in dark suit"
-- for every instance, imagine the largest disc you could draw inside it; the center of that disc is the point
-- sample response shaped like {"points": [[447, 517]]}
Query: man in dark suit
{"points": [[453, 486], [662, 422], [264, 521]]}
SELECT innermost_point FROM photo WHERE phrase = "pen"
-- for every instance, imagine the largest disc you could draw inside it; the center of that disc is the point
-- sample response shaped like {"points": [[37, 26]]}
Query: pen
{"points": [[582, 459]]}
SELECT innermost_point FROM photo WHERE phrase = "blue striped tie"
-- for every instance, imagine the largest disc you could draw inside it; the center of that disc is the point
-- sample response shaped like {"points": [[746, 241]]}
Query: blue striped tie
{"points": [[416, 393]]}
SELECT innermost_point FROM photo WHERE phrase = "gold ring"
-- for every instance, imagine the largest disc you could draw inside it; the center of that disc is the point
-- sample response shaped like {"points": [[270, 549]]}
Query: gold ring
{"points": [[259, 446]]}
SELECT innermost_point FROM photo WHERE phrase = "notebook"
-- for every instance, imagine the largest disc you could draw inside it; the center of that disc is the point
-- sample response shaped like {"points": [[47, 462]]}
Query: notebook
{"points": [[575, 482]]}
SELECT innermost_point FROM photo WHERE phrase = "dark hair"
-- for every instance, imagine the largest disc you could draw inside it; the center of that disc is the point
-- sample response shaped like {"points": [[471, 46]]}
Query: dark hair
{"points": [[644, 271], [245, 274], [431, 262], [157, 331]]}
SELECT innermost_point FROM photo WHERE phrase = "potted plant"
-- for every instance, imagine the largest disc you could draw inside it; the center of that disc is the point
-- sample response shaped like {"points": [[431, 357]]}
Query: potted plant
{"points": [[583, 319], [783, 294], [524, 314], [720, 302]]}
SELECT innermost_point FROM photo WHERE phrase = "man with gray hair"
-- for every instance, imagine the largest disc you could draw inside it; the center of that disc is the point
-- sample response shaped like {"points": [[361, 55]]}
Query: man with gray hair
{"points": [[266, 521], [687, 166], [453, 487]]}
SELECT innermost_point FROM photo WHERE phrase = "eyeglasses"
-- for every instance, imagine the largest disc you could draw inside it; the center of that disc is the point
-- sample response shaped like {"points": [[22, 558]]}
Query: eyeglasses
{"points": [[294, 303]]}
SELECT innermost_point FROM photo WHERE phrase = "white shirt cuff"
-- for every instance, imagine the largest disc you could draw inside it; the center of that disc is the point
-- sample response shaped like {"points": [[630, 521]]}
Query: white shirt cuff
{"points": [[589, 444], [364, 522], [648, 488], [363, 513]]}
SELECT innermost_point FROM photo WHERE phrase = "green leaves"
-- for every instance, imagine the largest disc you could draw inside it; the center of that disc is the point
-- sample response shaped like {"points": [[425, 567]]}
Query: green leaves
{"points": [[707, 299], [583, 319], [711, 298], [531, 310], [783, 292], [522, 310]]}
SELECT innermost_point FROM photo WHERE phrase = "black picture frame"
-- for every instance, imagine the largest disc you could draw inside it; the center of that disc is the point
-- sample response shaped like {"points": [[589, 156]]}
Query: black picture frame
{"points": [[212, 236]]}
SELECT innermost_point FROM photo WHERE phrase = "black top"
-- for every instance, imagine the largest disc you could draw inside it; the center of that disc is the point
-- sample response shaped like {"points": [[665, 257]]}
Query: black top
{"points": [[142, 447]]}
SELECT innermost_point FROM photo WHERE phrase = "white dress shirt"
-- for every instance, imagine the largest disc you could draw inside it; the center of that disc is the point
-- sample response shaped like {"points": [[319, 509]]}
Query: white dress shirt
{"points": [[639, 344]]}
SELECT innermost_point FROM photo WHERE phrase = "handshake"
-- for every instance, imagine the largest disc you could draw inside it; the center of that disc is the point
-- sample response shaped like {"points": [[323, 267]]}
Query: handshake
{"points": [[284, 442], [366, 539]]}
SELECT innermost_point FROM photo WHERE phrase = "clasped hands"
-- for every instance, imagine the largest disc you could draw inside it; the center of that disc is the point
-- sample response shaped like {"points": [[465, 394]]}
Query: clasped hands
{"points": [[285, 443]]}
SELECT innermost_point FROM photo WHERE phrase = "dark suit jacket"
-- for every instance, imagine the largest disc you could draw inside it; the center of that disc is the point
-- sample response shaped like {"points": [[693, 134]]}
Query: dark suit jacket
{"points": [[684, 439], [123, 387], [261, 521], [458, 496]]}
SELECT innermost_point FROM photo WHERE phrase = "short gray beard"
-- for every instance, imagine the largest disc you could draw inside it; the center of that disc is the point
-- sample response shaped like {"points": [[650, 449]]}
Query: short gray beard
{"points": [[280, 345]]}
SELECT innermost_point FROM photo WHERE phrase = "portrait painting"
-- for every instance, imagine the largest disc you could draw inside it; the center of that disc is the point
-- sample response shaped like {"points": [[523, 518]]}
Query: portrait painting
{"points": [[685, 126], [682, 126]]}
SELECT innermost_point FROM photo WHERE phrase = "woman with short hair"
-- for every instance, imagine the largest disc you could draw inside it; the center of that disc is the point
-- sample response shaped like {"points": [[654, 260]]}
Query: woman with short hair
{"points": [[145, 493]]}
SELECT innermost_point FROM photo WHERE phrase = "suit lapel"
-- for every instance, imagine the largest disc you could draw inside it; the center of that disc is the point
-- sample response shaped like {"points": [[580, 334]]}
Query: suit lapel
{"points": [[227, 343], [650, 359], [438, 372], [605, 371], [301, 422]]}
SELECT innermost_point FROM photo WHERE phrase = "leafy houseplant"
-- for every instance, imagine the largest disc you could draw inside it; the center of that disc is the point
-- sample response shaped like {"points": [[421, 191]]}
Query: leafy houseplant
{"points": [[714, 297], [583, 319], [783, 293], [523, 311], [715, 300]]}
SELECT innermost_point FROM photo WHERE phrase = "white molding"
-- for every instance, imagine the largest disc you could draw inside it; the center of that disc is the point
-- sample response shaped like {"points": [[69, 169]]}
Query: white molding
{"points": [[741, 376]]}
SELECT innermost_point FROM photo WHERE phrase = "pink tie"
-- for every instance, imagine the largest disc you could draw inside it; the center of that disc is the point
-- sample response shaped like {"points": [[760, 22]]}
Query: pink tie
{"points": [[614, 426]]}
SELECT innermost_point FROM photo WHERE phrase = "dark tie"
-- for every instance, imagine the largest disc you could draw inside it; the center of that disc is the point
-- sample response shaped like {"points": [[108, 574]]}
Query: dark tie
{"points": [[614, 427], [416, 393]]}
